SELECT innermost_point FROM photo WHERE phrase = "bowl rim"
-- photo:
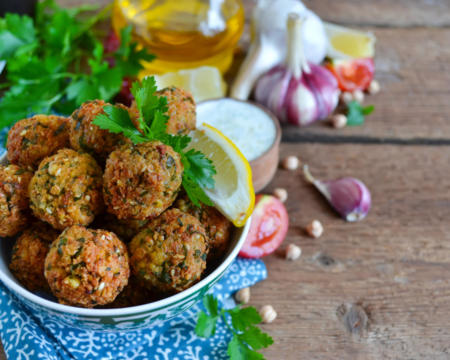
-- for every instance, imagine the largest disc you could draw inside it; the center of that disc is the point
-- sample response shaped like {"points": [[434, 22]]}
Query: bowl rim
{"points": [[88, 312], [267, 111]]}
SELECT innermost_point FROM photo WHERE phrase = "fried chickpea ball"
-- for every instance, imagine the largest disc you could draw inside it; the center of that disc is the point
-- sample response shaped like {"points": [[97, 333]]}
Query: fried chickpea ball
{"points": [[87, 137], [28, 256], [14, 201], [125, 229], [217, 226], [141, 181], [67, 189], [170, 254], [87, 267], [30, 140], [181, 110]]}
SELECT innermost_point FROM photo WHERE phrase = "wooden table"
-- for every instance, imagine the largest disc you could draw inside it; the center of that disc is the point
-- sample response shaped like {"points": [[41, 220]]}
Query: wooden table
{"points": [[378, 289]]}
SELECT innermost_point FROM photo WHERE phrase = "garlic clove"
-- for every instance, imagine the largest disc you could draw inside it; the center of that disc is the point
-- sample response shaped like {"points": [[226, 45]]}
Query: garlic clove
{"points": [[348, 196], [298, 92], [268, 48]]}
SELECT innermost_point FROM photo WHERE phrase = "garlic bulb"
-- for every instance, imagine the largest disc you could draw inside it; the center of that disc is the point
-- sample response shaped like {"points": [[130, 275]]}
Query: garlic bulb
{"points": [[348, 196], [298, 92], [268, 49]]}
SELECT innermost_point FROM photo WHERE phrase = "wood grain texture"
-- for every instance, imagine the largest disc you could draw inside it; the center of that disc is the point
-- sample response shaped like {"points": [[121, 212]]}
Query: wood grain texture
{"points": [[384, 13], [392, 268], [378, 289]]}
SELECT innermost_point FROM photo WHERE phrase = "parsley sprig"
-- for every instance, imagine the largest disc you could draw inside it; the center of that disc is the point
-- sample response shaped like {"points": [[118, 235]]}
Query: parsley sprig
{"points": [[247, 338], [56, 61], [356, 113], [198, 171]]}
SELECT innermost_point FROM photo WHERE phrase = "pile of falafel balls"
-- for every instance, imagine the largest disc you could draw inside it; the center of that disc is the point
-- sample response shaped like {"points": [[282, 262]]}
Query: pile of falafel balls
{"points": [[98, 220]]}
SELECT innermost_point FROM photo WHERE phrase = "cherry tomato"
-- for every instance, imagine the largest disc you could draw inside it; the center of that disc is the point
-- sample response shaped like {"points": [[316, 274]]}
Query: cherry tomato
{"points": [[268, 229], [353, 74]]}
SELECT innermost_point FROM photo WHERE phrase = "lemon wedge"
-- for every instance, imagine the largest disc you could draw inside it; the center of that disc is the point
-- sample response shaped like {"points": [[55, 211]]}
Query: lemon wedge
{"points": [[233, 194], [345, 43], [203, 83]]}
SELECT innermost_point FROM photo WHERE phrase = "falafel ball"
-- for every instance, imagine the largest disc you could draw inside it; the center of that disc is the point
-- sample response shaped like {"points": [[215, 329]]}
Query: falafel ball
{"points": [[30, 140], [125, 229], [14, 201], [28, 256], [67, 189], [87, 137], [181, 111], [218, 227], [86, 267], [141, 181], [170, 254]]}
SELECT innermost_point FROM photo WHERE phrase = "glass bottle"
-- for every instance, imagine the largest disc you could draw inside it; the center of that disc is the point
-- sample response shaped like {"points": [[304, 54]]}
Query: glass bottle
{"points": [[183, 33]]}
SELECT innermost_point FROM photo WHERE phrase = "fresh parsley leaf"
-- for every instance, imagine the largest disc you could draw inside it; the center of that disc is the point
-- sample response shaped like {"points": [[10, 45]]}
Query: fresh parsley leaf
{"points": [[247, 338], [195, 193], [200, 168], [117, 120], [244, 318], [55, 62], [212, 305], [255, 338], [356, 113], [206, 325]]}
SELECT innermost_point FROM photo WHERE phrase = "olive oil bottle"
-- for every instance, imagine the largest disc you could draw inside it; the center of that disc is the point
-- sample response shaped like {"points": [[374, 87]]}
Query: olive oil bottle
{"points": [[183, 33]]}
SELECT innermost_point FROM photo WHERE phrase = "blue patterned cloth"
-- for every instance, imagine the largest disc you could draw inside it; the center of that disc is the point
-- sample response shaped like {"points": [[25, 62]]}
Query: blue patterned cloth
{"points": [[25, 337]]}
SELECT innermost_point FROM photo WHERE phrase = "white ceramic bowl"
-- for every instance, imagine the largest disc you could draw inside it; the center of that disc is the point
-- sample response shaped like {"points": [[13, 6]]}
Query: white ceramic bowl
{"points": [[129, 318]]}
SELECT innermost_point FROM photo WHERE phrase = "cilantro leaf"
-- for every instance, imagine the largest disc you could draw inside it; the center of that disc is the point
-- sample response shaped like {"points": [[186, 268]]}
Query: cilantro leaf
{"points": [[15, 32], [200, 168], [244, 318], [211, 304], [195, 193], [206, 325], [247, 338], [117, 120], [55, 62], [255, 338], [237, 350], [356, 113]]}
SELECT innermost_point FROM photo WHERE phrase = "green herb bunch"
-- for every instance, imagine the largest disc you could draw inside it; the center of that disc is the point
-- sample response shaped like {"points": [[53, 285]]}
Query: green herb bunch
{"points": [[55, 62], [247, 338], [198, 169]]}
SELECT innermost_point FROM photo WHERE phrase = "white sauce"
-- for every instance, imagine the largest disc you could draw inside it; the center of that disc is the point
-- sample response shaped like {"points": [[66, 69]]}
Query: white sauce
{"points": [[249, 127]]}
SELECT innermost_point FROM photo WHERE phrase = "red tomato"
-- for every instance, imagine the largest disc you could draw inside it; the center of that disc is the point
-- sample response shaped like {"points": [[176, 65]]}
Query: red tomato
{"points": [[268, 229], [353, 74]]}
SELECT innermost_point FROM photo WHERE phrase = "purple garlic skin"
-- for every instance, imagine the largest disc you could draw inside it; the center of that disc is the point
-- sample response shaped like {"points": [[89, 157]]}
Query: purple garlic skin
{"points": [[348, 196], [298, 101]]}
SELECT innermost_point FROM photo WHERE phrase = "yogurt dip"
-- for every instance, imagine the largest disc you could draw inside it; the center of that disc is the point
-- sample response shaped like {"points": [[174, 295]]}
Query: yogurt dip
{"points": [[250, 128]]}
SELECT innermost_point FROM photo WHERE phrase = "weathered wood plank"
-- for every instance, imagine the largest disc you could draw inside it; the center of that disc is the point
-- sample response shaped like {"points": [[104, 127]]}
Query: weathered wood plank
{"points": [[384, 13], [394, 266]]}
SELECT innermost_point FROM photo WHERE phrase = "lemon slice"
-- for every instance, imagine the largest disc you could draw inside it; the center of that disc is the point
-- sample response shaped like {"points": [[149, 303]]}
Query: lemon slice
{"points": [[233, 194], [345, 43], [204, 82]]}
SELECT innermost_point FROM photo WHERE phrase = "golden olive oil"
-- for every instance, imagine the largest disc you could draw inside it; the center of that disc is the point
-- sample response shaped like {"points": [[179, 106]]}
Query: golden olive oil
{"points": [[183, 33]]}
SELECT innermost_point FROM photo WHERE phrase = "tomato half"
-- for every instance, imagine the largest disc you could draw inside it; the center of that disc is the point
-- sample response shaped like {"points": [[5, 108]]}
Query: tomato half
{"points": [[268, 228], [353, 74]]}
